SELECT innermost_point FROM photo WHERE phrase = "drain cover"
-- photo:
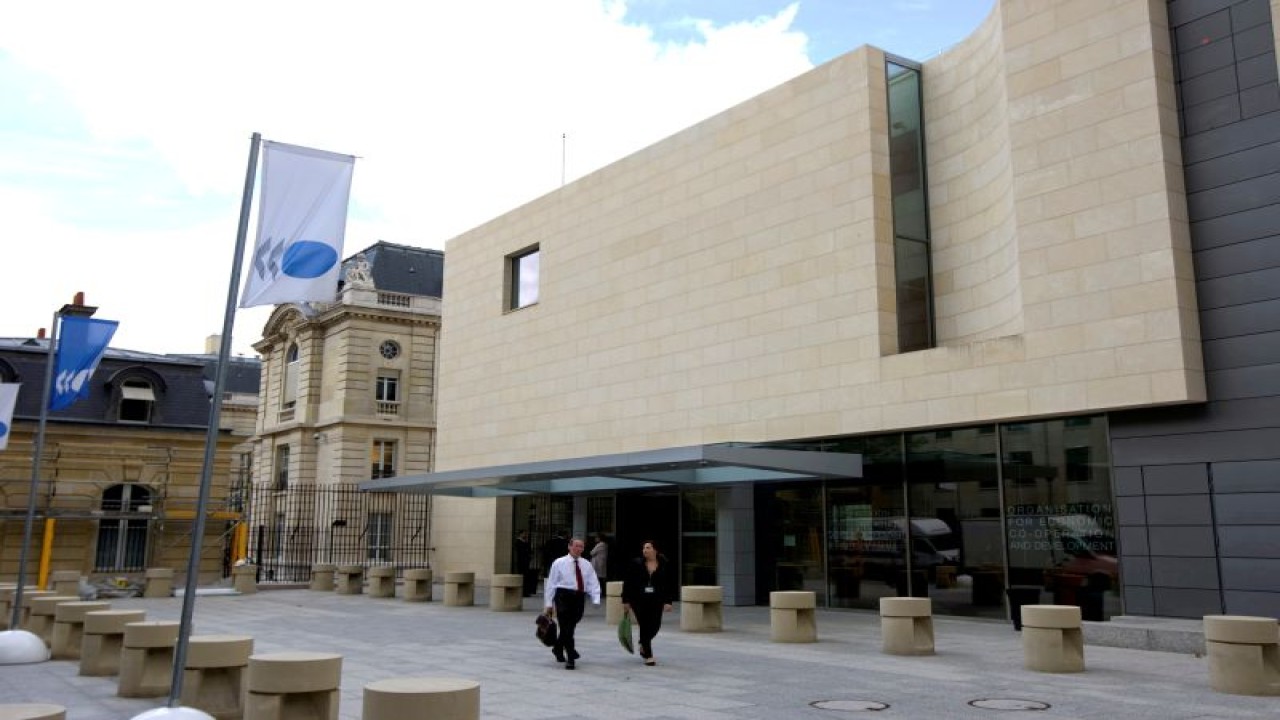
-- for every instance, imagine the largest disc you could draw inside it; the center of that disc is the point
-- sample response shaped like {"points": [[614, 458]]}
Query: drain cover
{"points": [[850, 705], [1009, 704]]}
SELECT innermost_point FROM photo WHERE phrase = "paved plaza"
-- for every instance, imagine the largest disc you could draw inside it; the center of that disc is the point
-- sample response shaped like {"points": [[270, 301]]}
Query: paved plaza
{"points": [[737, 673]]}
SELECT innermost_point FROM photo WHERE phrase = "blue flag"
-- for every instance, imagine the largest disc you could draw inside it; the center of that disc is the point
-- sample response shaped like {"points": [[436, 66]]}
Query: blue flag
{"points": [[80, 347], [8, 396]]}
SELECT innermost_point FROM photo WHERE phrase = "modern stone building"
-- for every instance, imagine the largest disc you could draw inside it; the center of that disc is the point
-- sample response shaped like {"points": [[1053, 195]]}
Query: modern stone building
{"points": [[348, 394], [121, 469], [1002, 319]]}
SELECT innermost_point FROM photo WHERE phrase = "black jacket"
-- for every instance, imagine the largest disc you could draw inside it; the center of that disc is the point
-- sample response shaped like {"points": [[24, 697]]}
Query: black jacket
{"points": [[663, 580]]}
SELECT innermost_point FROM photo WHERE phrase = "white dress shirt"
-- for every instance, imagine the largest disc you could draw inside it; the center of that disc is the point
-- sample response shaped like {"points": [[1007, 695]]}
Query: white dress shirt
{"points": [[561, 575]]}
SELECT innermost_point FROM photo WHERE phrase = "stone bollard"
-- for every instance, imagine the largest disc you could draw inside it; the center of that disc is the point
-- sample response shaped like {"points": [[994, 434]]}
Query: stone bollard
{"points": [[506, 593], [159, 582], [793, 616], [6, 603], [423, 698], [322, 577], [701, 608], [288, 685], [613, 602], [349, 579], [417, 585], [459, 589], [65, 582], [33, 711], [244, 578], [146, 658], [1052, 639], [382, 581], [27, 596], [1244, 654], [40, 613], [68, 627], [906, 625], [103, 639], [214, 677]]}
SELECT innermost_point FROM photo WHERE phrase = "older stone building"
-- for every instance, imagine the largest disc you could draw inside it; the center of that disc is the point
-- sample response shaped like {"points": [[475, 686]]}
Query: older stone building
{"points": [[1001, 319], [348, 394], [121, 468]]}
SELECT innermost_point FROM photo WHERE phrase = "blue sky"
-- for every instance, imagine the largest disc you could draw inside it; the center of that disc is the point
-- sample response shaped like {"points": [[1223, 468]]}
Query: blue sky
{"points": [[125, 131]]}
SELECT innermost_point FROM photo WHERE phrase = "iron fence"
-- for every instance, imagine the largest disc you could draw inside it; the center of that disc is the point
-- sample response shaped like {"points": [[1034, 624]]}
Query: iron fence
{"points": [[293, 529]]}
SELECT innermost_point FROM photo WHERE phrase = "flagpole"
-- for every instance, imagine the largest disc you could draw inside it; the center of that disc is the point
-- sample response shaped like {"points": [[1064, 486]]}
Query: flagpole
{"points": [[211, 436]]}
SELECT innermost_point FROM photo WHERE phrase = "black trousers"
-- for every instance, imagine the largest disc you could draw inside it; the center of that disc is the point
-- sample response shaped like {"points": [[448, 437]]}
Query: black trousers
{"points": [[649, 618], [569, 605]]}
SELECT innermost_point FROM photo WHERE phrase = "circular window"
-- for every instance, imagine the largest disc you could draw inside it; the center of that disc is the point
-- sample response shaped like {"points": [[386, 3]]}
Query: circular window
{"points": [[389, 349]]}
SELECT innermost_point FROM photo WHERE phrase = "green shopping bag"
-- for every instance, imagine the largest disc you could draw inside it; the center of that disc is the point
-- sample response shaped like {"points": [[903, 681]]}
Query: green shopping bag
{"points": [[624, 633]]}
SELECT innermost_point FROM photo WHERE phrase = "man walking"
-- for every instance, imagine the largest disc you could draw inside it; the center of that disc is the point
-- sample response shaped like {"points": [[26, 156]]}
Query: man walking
{"points": [[569, 581]]}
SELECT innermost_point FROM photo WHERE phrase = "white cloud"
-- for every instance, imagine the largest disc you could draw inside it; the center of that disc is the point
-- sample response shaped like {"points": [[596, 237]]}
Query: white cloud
{"points": [[456, 111]]}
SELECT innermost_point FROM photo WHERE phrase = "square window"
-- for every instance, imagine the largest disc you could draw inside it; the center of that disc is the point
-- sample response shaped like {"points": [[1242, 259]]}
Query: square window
{"points": [[522, 278], [282, 468]]}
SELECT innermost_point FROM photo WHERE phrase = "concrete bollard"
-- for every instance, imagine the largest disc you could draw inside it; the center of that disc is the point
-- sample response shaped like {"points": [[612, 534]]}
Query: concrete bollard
{"points": [[244, 578], [906, 625], [159, 582], [287, 685], [506, 593], [459, 589], [146, 658], [423, 698], [103, 639], [701, 608], [382, 581], [214, 677], [322, 577], [1244, 654], [40, 613], [33, 711], [417, 585], [349, 580], [65, 582], [613, 602], [68, 627], [793, 616], [1052, 638]]}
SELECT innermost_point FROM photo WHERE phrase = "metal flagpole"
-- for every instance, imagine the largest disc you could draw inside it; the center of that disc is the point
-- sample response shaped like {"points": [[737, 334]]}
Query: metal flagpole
{"points": [[211, 436]]}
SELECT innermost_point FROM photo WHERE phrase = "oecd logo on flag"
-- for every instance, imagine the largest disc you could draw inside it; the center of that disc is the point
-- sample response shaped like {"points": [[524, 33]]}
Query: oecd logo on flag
{"points": [[8, 398], [82, 344], [304, 259]]}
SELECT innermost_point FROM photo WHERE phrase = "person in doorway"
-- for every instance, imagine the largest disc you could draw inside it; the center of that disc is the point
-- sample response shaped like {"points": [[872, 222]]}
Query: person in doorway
{"points": [[522, 560], [570, 581], [553, 548], [648, 591], [600, 558]]}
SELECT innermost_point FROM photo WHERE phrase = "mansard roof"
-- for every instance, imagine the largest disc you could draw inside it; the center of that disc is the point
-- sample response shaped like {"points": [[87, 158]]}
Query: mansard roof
{"points": [[403, 269]]}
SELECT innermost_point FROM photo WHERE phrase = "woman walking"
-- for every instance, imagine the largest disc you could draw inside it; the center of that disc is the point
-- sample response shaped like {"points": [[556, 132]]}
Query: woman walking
{"points": [[648, 591]]}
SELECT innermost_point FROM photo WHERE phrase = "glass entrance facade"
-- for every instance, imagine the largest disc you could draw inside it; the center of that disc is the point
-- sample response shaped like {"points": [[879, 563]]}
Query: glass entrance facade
{"points": [[975, 518]]}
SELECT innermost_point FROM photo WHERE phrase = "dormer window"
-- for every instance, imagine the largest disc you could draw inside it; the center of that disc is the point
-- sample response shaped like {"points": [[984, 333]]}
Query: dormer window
{"points": [[137, 399]]}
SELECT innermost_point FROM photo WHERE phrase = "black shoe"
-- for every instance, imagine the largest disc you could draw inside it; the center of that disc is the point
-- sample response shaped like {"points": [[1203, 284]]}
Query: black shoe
{"points": [[558, 653], [645, 653], [569, 665], [573, 655]]}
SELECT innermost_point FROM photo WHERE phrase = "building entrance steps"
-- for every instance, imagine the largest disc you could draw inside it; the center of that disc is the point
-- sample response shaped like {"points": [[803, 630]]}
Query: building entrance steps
{"points": [[287, 685], [422, 698], [1244, 654], [906, 625], [103, 638], [68, 627], [701, 608], [459, 589]]}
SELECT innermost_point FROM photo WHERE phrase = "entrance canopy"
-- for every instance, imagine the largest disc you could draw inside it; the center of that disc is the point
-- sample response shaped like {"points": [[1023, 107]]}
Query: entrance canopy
{"points": [[700, 465]]}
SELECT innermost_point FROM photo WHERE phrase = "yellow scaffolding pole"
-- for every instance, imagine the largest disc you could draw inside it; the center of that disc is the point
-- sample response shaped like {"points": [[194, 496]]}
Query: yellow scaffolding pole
{"points": [[46, 554]]}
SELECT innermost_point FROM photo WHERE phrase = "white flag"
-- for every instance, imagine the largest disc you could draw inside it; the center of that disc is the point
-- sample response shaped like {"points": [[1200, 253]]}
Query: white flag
{"points": [[302, 217], [8, 398]]}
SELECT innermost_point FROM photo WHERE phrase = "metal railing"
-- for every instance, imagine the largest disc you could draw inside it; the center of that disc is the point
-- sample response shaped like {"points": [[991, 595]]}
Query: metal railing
{"points": [[292, 530]]}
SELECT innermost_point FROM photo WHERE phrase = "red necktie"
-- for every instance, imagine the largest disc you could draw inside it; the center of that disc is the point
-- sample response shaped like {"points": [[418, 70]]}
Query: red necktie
{"points": [[577, 572]]}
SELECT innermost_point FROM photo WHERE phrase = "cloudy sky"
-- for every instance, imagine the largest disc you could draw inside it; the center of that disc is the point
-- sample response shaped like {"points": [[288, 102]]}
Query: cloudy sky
{"points": [[124, 126]]}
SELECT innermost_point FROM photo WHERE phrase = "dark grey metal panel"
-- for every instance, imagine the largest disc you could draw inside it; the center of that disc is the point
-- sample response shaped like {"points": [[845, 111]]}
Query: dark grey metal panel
{"points": [[1247, 508], [1260, 100], [1126, 481], [1244, 319], [1191, 479], [1202, 59], [1206, 116], [1249, 541], [1179, 510], [1175, 602], [1209, 86], [1261, 604], [1183, 540], [1206, 29], [1233, 198], [1138, 600], [1257, 40], [1182, 12], [1249, 13], [1133, 541], [1231, 139], [1181, 572], [1131, 511], [1246, 477], [1137, 569], [1240, 227], [1242, 414], [1227, 169], [1243, 383], [1241, 257], [1257, 574], [1260, 349], [1256, 71]]}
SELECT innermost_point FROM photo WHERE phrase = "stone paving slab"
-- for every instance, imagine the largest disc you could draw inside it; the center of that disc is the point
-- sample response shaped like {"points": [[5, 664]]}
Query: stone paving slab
{"points": [[730, 675]]}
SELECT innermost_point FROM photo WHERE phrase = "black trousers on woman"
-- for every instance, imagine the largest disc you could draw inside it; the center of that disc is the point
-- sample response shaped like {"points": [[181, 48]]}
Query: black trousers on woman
{"points": [[649, 618]]}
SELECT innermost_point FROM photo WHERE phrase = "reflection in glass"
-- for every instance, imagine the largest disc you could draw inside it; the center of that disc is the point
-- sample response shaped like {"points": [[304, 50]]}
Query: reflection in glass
{"points": [[798, 540], [698, 537], [910, 209]]}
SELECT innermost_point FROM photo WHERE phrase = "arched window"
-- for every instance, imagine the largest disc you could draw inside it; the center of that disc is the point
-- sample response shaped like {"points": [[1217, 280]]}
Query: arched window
{"points": [[122, 535]]}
